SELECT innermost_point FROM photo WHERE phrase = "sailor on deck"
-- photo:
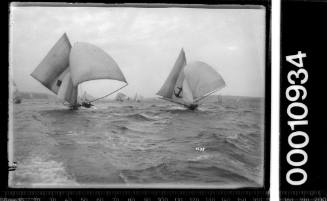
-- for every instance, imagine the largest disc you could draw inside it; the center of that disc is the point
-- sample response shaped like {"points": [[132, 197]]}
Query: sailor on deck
{"points": [[178, 95]]}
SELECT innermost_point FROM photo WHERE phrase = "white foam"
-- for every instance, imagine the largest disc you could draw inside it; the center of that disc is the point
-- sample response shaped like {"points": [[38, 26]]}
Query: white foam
{"points": [[38, 171]]}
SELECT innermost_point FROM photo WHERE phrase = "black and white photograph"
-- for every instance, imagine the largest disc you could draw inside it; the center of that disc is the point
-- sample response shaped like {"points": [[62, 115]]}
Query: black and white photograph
{"points": [[137, 97]]}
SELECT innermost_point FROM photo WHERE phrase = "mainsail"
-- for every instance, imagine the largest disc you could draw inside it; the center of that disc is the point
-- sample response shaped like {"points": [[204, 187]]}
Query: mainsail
{"points": [[54, 73], [65, 67], [187, 84], [168, 87]]}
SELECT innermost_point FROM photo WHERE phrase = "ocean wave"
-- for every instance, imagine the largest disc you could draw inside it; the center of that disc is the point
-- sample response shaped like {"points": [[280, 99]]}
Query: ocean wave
{"points": [[202, 157], [148, 144], [40, 171], [142, 117], [217, 134], [183, 172], [130, 129], [121, 127]]}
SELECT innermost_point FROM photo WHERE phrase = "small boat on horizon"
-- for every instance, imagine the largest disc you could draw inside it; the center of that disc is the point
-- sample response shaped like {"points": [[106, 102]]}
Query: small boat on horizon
{"points": [[188, 84], [65, 67], [121, 97], [17, 99], [137, 98]]}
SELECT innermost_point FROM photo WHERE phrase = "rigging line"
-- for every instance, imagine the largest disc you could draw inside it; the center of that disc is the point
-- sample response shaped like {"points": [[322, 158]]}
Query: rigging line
{"points": [[206, 95], [108, 94]]}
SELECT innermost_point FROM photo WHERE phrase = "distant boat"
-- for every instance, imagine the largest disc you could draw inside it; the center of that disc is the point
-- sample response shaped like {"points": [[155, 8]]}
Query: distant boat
{"points": [[85, 98], [137, 98], [16, 97], [188, 84], [65, 67], [121, 97]]}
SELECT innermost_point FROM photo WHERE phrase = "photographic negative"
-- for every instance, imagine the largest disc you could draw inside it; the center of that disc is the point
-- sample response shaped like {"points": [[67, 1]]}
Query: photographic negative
{"points": [[138, 97]]}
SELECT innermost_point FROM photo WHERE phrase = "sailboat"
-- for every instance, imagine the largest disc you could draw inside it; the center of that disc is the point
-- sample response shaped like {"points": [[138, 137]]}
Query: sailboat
{"points": [[188, 84], [137, 98], [65, 67], [85, 98], [16, 98], [121, 97]]}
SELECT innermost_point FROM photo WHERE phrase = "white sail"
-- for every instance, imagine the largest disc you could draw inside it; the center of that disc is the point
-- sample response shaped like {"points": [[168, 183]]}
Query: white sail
{"points": [[187, 93], [67, 91], [88, 62], [51, 69], [168, 87], [202, 79]]}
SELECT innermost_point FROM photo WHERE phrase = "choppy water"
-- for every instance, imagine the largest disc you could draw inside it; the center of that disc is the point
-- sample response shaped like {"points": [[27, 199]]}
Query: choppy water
{"points": [[152, 144]]}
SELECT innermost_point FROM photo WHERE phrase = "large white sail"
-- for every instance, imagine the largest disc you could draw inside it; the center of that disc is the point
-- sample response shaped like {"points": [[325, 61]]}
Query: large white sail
{"points": [[88, 62], [168, 87], [52, 68], [202, 79]]}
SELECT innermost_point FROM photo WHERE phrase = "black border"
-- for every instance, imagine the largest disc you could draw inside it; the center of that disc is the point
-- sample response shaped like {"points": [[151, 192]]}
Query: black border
{"points": [[249, 193], [304, 28]]}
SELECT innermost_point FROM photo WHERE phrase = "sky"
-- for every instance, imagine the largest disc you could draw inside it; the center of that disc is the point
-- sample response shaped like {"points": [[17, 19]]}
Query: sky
{"points": [[145, 43]]}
